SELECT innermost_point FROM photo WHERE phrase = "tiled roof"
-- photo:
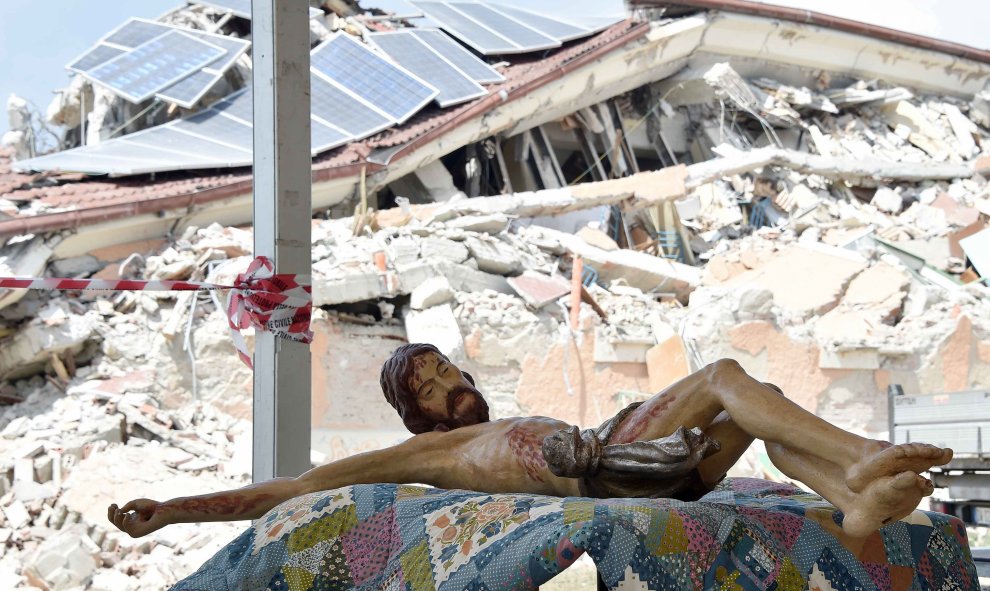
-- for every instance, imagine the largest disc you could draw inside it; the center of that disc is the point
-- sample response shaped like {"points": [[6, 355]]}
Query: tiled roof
{"points": [[70, 200]]}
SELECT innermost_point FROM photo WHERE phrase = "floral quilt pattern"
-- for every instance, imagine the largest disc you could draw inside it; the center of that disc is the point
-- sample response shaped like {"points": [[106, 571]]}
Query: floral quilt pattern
{"points": [[747, 535]]}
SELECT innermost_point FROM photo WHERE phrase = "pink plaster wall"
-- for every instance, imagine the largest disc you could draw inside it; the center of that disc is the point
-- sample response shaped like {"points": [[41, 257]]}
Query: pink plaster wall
{"points": [[346, 364], [956, 355], [792, 366], [542, 390]]}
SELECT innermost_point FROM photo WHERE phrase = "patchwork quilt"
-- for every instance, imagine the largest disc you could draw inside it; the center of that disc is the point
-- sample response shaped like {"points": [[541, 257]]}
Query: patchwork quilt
{"points": [[746, 535]]}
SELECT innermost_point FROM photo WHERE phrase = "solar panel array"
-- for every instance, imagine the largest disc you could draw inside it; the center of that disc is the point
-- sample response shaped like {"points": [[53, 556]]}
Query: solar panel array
{"points": [[355, 90], [134, 37], [408, 51], [496, 29]]}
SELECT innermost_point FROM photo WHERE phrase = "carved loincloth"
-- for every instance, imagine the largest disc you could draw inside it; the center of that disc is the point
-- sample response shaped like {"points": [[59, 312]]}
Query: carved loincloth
{"points": [[666, 467]]}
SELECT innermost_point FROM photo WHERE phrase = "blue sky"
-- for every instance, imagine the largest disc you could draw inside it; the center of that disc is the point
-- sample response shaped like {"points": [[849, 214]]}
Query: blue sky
{"points": [[37, 39]]}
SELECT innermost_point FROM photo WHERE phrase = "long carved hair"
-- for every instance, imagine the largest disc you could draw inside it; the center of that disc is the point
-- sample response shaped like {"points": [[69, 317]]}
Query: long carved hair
{"points": [[395, 385]]}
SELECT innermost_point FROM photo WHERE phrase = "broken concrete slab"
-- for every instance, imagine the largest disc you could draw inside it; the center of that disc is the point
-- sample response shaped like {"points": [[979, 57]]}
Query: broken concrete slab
{"points": [[805, 279], [22, 258], [494, 256], [636, 269], [881, 288], [15, 514], [538, 289], [433, 249], [487, 224], [432, 292], [465, 279], [921, 132], [597, 238], [28, 351]]}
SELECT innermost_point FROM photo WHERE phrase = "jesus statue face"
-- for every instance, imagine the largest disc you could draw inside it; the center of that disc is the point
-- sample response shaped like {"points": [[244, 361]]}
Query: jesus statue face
{"points": [[444, 393]]}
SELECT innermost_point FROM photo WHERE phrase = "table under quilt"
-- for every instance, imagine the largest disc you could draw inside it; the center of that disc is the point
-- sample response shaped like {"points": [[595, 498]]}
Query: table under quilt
{"points": [[747, 534]]}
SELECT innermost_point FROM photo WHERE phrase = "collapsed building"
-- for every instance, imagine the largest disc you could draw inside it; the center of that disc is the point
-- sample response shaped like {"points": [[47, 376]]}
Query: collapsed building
{"points": [[611, 216]]}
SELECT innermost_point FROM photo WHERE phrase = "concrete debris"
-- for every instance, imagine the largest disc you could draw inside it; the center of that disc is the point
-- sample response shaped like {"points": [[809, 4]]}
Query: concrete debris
{"points": [[830, 263]]}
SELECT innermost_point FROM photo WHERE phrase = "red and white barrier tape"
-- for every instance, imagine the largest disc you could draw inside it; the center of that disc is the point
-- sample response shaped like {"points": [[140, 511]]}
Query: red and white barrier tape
{"points": [[279, 304]]}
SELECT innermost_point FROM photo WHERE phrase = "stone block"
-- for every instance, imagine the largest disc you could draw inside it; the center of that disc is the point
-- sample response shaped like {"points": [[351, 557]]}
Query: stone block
{"points": [[434, 249], [64, 561], [888, 200], [16, 428], [356, 286], [16, 514], [43, 469], [23, 469], [112, 429], [494, 256], [436, 325], [411, 276], [432, 292]]}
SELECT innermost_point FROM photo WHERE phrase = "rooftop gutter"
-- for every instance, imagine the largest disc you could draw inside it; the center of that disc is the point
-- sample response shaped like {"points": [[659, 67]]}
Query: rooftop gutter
{"points": [[811, 17]]}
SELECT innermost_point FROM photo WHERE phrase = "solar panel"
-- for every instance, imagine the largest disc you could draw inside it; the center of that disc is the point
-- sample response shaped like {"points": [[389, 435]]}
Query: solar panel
{"points": [[234, 47], [187, 92], [155, 65], [359, 69], [526, 37], [94, 57], [412, 54], [552, 26], [325, 137], [467, 29], [169, 139], [213, 125], [136, 32], [240, 105], [343, 110], [456, 54]]}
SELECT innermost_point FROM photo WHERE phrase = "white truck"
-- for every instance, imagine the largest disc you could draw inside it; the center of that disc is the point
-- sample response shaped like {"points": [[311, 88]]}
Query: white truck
{"points": [[960, 420]]}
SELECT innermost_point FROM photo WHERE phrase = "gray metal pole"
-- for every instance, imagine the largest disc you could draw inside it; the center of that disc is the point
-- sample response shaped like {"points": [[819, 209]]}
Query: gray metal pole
{"points": [[282, 206]]}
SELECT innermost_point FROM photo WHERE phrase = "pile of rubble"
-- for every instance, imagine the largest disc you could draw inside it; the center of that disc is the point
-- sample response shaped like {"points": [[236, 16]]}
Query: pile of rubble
{"points": [[829, 283]]}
